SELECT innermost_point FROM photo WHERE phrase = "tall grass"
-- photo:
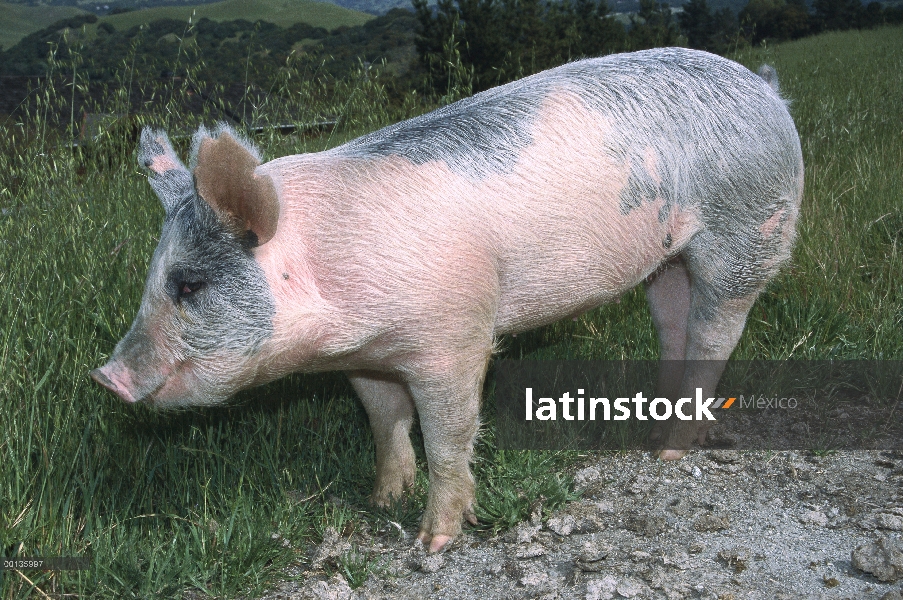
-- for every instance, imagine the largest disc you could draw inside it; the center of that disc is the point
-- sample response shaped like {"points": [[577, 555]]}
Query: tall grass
{"points": [[165, 502]]}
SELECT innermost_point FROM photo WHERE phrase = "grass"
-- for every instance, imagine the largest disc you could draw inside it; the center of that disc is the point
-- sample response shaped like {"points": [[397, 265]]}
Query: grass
{"points": [[281, 12], [18, 20], [168, 502]]}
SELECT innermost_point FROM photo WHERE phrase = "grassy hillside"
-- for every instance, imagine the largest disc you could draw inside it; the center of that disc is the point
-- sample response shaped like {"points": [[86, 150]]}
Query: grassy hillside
{"points": [[280, 12], [18, 20], [220, 502]]}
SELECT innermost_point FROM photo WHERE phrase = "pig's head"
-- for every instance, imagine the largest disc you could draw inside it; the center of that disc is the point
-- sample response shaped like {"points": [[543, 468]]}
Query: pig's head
{"points": [[207, 308]]}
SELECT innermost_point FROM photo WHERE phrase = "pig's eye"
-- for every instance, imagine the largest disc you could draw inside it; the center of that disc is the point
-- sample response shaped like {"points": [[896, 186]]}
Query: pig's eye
{"points": [[187, 288], [184, 283]]}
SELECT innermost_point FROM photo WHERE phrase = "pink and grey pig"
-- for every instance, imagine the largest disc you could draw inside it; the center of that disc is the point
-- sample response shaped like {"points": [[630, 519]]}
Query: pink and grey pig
{"points": [[401, 256]]}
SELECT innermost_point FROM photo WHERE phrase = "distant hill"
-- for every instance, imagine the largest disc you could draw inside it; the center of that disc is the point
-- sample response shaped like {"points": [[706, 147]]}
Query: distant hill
{"points": [[18, 20], [280, 12]]}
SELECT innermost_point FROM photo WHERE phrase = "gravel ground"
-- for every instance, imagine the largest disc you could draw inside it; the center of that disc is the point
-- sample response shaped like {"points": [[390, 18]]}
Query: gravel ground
{"points": [[719, 524]]}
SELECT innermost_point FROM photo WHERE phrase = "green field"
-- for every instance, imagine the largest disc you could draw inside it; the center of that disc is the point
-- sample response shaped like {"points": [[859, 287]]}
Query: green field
{"points": [[280, 12], [18, 20], [169, 502]]}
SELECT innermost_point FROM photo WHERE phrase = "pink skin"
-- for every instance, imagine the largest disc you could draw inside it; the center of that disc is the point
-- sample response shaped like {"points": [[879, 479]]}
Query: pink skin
{"points": [[115, 378], [768, 227]]}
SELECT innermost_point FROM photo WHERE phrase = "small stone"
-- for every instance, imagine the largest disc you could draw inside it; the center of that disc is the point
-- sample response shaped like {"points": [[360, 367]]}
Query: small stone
{"points": [[531, 551], [534, 578], [601, 589], [562, 525], [334, 589], [736, 557], [645, 524], [696, 548], [889, 521], [524, 532], [631, 588], [724, 457], [882, 558], [697, 472], [814, 517], [892, 595], [585, 477], [432, 563], [332, 547], [712, 522]]}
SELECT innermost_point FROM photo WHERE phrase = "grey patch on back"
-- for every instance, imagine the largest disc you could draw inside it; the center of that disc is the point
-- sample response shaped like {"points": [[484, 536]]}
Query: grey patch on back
{"points": [[725, 147], [723, 143], [477, 136]]}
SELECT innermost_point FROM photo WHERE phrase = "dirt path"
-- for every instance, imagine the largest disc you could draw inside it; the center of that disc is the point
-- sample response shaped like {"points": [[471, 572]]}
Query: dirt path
{"points": [[715, 525]]}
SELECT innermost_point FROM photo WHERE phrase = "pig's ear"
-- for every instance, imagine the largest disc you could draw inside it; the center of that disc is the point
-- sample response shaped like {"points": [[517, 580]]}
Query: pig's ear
{"points": [[225, 179], [168, 176]]}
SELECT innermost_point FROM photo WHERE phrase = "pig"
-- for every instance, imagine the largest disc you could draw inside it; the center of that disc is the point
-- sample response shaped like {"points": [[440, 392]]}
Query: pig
{"points": [[402, 256]]}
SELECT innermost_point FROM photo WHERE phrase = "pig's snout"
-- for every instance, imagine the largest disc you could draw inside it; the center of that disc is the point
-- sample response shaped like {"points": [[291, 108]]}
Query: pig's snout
{"points": [[116, 379]]}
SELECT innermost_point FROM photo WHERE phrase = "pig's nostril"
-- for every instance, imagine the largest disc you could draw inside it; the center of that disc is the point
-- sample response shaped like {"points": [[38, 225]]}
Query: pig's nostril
{"points": [[103, 379]]}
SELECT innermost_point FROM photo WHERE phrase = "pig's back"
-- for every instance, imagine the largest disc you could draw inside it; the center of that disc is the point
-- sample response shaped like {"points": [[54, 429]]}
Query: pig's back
{"points": [[567, 187]]}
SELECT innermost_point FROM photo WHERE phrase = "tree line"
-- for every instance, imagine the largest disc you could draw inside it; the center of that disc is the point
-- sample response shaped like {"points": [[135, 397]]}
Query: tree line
{"points": [[473, 45]]}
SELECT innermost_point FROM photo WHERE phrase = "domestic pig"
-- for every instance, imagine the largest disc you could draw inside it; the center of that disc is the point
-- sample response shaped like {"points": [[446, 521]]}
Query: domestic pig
{"points": [[401, 257]]}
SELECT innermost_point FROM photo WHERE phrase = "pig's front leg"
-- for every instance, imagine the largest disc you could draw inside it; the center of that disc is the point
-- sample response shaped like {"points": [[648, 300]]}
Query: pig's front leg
{"points": [[391, 411], [449, 407]]}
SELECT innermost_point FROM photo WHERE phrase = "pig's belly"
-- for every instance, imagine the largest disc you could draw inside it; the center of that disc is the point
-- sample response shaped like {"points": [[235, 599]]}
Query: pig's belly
{"points": [[547, 274], [550, 290]]}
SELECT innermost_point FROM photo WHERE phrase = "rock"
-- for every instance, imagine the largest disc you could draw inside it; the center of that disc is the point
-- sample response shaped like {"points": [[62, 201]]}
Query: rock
{"points": [[814, 517], [642, 485], [534, 578], [724, 457], [712, 522], [592, 557], [586, 477], [523, 533], [562, 524], [601, 589], [889, 521], [736, 557], [631, 588], [334, 589], [892, 595], [332, 547], [431, 563], [580, 518], [531, 551], [882, 558], [645, 524]]}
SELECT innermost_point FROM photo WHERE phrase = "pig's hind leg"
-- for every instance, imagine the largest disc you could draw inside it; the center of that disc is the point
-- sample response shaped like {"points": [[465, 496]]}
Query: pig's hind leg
{"points": [[391, 412], [668, 294], [726, 275]]}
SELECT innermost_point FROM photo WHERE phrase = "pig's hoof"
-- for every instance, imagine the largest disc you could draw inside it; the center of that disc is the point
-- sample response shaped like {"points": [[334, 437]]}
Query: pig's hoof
{"points": [[672, 454], [435, 543], [435, 533]]}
